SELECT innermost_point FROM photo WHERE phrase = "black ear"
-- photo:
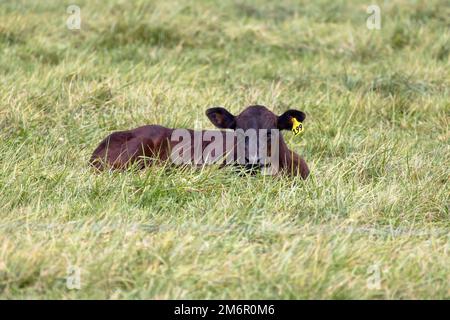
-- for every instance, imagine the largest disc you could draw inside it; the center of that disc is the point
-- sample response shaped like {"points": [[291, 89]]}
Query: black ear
{"points": [[285, 120], [221, 118]]}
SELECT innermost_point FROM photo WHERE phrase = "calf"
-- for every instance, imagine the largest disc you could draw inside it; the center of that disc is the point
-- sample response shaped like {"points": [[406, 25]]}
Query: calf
{"points": [[254, 130]]}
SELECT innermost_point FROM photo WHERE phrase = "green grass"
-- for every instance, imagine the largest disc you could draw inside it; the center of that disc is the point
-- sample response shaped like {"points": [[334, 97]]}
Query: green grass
{"points": [[376, 139]]}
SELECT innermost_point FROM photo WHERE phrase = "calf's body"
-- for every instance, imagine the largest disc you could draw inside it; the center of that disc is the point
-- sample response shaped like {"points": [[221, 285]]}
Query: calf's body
{"points": [[146, 145]]}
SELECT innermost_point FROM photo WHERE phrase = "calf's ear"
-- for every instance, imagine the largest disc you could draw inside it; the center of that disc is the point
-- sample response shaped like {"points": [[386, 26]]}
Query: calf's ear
{"points": [[221, 118], [285, 120]]}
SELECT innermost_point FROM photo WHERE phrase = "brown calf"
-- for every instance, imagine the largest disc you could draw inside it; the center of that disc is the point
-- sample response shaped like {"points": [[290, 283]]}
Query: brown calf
{"points": [[145, 145]]}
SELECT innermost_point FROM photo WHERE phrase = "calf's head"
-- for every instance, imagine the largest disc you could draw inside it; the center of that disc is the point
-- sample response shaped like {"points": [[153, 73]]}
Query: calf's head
{"points": [[257, 130]]}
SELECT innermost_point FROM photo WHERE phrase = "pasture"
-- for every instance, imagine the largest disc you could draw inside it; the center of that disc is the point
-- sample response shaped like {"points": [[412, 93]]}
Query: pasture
{"points": [[372, 220]]}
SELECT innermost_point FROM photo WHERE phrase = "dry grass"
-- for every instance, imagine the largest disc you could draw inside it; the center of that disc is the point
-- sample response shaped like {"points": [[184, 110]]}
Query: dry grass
{"points": [[376, 139]]}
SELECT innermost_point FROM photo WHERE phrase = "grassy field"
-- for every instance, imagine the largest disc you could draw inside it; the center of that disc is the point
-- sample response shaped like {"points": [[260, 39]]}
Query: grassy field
{"points": [[372, 221]]}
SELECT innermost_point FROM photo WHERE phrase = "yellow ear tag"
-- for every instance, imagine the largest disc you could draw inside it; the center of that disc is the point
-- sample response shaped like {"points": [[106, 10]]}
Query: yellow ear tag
{"points": [[297, 127]]}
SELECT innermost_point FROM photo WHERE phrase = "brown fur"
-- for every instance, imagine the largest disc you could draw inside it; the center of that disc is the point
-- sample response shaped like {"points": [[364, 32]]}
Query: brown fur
{"points": [[145, 145]]}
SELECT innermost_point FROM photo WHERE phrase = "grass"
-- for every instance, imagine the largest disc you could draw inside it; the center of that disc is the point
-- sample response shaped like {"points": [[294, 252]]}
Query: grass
{"points": [[372, 221]]}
